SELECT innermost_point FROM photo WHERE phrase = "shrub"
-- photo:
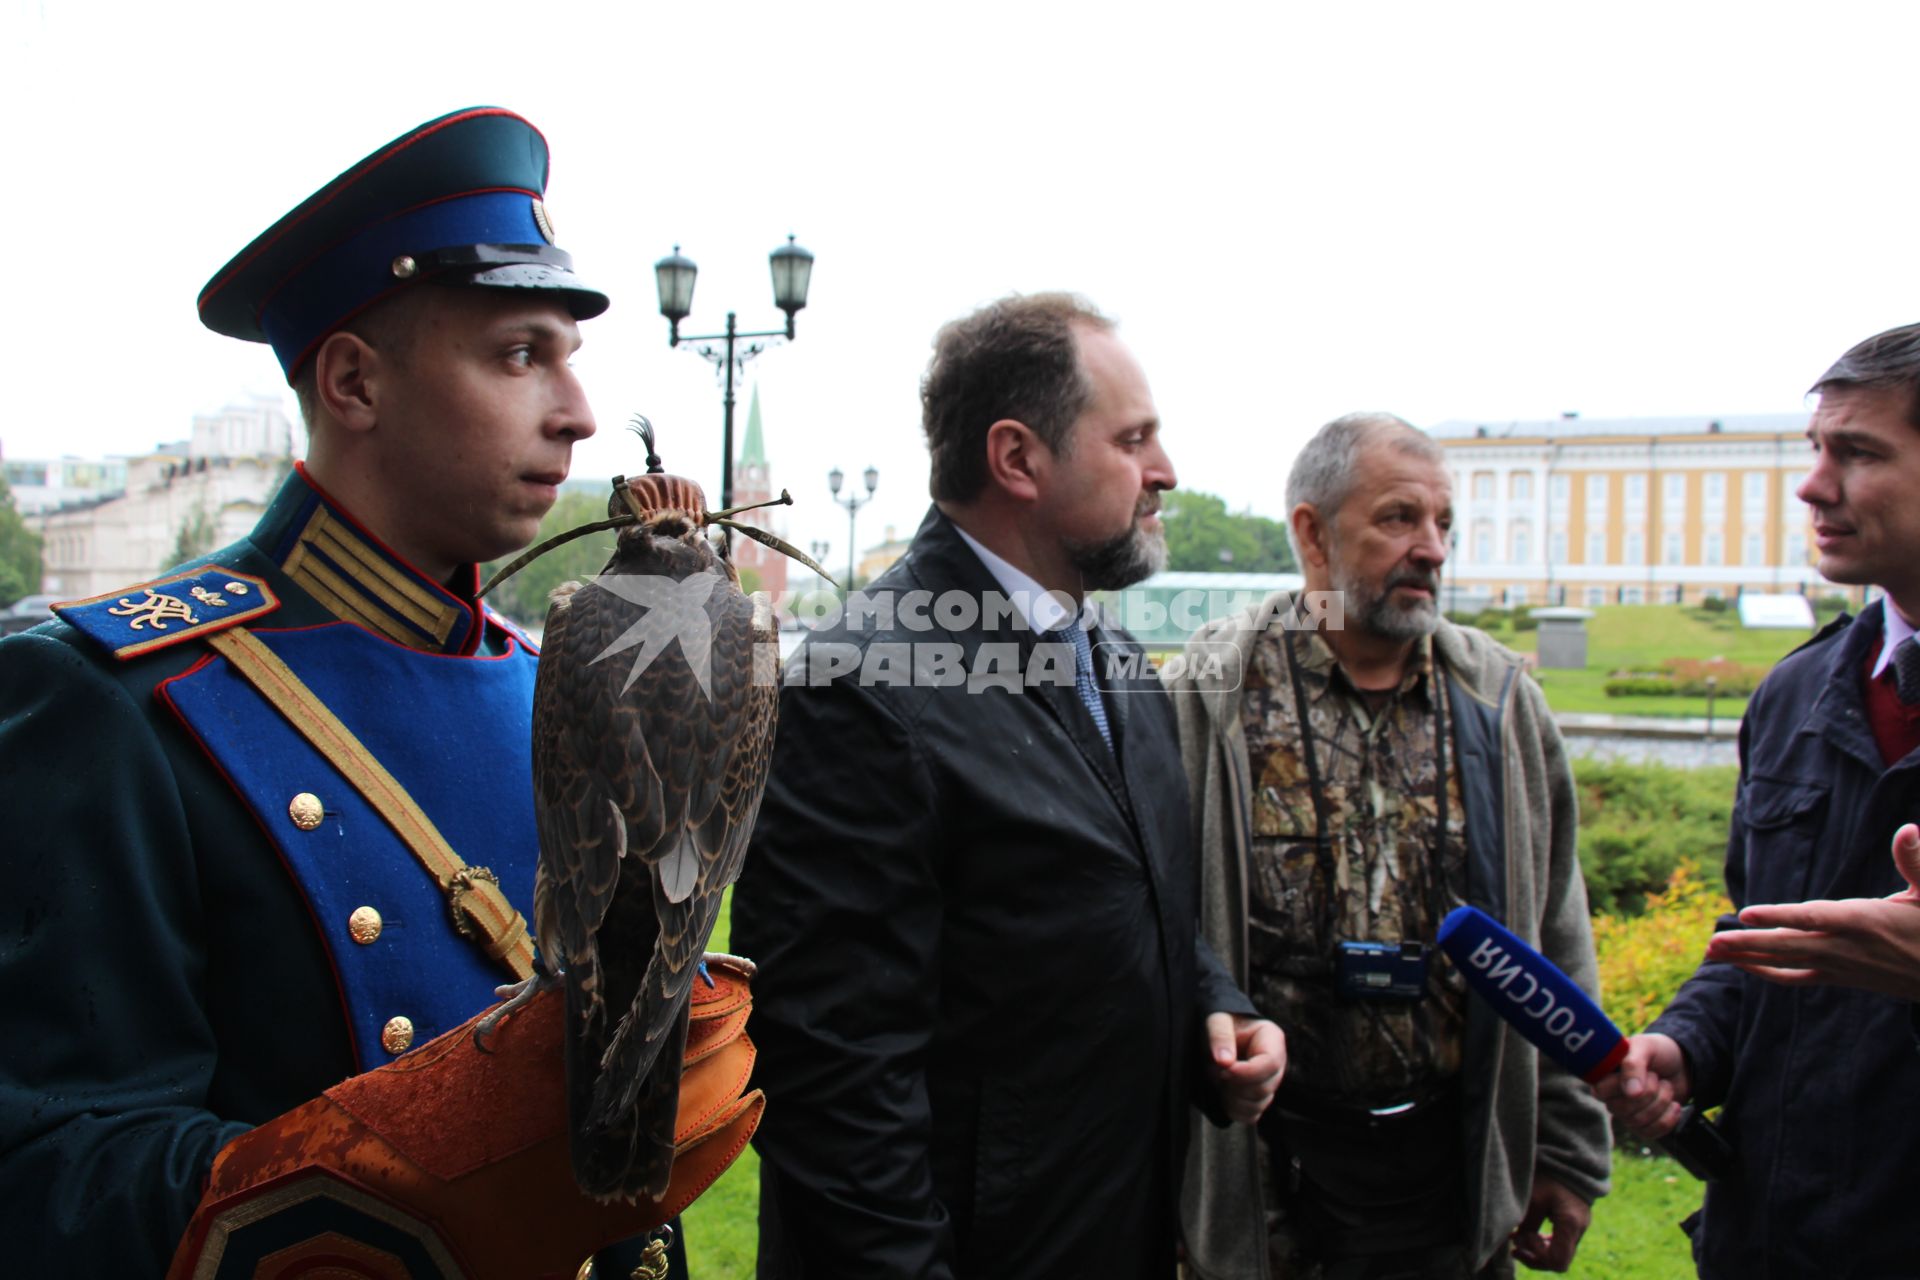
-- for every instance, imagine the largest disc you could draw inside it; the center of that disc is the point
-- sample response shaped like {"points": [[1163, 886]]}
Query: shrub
{"points": [[1645, 957], [1642, 684], [1714, 604], [1638, 822], [1525, 621], [1731, 679]]}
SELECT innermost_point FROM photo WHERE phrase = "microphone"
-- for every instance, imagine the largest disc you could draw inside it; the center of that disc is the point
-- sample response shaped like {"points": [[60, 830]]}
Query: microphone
{"points": [[1547, 1007]]}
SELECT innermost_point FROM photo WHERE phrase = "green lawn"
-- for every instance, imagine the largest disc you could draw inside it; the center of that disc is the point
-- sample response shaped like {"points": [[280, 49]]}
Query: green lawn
{"points": [[1638, 638], [1636, 1231], [723, 1225]]}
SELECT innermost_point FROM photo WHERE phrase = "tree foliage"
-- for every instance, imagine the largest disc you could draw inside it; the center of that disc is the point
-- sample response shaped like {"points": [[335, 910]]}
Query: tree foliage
{"points": [[194, 538], [523, 597], [19, 552], [1638, 822], [1203, 537]]}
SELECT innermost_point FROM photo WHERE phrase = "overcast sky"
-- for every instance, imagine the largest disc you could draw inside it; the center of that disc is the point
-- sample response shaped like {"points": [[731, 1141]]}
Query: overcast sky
{"points": [[1295, 210]]}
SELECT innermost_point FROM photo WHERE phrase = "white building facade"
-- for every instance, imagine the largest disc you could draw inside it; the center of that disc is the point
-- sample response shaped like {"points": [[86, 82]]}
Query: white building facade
{"points": [[212, 486], [1628, 511]]}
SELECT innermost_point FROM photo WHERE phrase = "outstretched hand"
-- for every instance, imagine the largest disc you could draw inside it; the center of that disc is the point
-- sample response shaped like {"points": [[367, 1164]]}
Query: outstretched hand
{"points": [[1248, 1057], [1869, 943]]}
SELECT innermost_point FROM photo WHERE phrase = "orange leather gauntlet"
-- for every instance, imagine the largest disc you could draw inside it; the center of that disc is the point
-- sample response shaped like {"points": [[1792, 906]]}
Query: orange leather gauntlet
{"points": [[452, 1162]]}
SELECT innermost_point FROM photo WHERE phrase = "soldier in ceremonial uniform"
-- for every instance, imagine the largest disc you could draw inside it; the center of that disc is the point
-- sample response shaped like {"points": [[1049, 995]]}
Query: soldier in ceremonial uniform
{"points": [[208, 914]]}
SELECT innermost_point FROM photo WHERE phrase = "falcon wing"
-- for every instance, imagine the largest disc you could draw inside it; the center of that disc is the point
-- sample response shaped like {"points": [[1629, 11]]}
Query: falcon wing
{"points": [[712, 765]]}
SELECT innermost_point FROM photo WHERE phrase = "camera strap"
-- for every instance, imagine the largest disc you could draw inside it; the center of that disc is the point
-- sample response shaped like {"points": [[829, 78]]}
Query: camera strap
{"points": [[1323, 841]]}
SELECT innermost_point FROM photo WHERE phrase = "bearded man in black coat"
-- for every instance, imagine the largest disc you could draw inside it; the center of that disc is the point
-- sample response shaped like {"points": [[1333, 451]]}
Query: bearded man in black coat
{"points": [[982, 1010]]}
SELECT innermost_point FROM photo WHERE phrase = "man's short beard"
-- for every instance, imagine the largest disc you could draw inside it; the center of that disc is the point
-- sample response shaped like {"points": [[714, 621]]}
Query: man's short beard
{"points": [[1375, 611], [1119, 561]]}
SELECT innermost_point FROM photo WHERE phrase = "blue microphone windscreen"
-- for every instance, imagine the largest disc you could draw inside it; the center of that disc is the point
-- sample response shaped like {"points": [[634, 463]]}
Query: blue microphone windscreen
{"points": [[1532, 993]]}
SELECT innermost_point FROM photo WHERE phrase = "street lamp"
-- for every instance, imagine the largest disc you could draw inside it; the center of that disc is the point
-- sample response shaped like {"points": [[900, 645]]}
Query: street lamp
{"points": [[674, 275], [852, 502]]}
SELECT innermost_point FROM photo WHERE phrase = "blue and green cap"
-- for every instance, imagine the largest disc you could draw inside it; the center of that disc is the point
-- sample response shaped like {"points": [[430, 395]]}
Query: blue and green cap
{"points": [[457, 201]]}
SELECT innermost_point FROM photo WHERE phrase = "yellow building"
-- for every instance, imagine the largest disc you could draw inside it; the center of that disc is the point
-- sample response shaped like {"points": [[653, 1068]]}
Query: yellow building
{"points": [[876, 560], [1628, 510]]}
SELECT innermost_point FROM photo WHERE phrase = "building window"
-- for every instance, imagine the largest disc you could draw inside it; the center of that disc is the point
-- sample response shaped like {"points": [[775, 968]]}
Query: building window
{"points": [[1636, 496], [1596, 499], [1673, 497], [1713, 493], [1483, 542], [1596, 548], [1673, 595], [1559, 490], [1483, 486], [1710, 549], [1558, 543], [1520, 486], [1516, 596], [1632, 595], [1713, 593], [1636, 548], [1796, 549], [1521, 538], [1753, 549], [1595, 596], [1753, 497], [1671, 547]]}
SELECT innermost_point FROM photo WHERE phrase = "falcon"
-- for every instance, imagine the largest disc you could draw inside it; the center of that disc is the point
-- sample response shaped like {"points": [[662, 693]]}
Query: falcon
{"points": [[652, 729]]}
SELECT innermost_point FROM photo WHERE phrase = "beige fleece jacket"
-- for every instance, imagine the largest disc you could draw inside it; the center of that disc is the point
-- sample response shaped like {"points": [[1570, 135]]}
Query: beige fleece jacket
{"points": [[1523, 1114]]}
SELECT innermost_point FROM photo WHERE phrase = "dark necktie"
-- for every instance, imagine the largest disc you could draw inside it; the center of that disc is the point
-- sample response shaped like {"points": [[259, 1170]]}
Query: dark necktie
{"points": [[1906, 670], [1074, 634]]}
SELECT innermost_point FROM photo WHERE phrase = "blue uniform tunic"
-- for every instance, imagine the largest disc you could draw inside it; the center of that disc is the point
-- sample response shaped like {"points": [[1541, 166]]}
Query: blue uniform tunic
{"points": [[175, 949]]}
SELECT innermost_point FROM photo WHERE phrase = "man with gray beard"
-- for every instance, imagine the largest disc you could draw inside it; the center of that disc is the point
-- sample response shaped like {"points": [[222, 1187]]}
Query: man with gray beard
{"points": [[982, 1010], [1360, 768]]}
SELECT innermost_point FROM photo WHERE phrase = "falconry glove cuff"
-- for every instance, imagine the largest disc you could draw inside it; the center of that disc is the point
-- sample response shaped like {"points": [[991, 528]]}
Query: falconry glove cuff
{"points": [[452, 1161]]}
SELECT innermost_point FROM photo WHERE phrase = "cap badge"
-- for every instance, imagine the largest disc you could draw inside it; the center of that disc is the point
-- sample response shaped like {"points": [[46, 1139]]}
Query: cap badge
{"points": [[541, 220]]}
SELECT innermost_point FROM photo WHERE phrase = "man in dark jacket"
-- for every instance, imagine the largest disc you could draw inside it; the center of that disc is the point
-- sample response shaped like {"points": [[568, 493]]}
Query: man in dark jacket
{"points": [[982, 1008], [1818, 1083]]}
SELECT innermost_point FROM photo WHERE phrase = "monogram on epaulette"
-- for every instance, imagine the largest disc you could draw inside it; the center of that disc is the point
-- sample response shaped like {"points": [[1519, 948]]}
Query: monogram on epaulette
{"points": [[196, 602]]}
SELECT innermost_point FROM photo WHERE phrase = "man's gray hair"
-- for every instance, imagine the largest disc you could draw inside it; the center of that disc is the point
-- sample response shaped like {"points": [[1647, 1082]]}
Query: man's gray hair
{"points": [[1323, 473]]}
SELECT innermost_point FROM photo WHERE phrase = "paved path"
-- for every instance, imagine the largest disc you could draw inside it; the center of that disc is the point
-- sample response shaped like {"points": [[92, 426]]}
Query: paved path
{"points": [[1683, 741]]}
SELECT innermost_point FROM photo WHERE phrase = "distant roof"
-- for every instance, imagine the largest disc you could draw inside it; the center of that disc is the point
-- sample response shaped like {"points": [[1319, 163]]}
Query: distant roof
{"points": [[1533, 429]]}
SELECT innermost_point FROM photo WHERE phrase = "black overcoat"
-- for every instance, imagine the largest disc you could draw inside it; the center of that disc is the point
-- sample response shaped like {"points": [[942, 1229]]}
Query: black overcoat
{"points": [[980, 1003]]}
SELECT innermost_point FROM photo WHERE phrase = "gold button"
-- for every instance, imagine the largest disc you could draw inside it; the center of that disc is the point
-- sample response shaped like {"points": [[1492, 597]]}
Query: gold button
{"points": [[305, 810], [363, 926], [404, 267], [397, 1036]]}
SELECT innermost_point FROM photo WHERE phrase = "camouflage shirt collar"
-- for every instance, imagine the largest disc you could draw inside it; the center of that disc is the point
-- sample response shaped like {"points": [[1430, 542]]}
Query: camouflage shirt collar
{"points": [[1317, 658]]}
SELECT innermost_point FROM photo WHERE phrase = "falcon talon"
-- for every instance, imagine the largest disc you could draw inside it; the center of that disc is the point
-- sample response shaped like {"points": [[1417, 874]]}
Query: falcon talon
{"points": [[516, 995]]}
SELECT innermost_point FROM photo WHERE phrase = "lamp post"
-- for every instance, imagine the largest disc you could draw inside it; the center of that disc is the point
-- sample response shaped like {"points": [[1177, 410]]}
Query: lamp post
{"points": [[792, 268], [852, 502]]}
